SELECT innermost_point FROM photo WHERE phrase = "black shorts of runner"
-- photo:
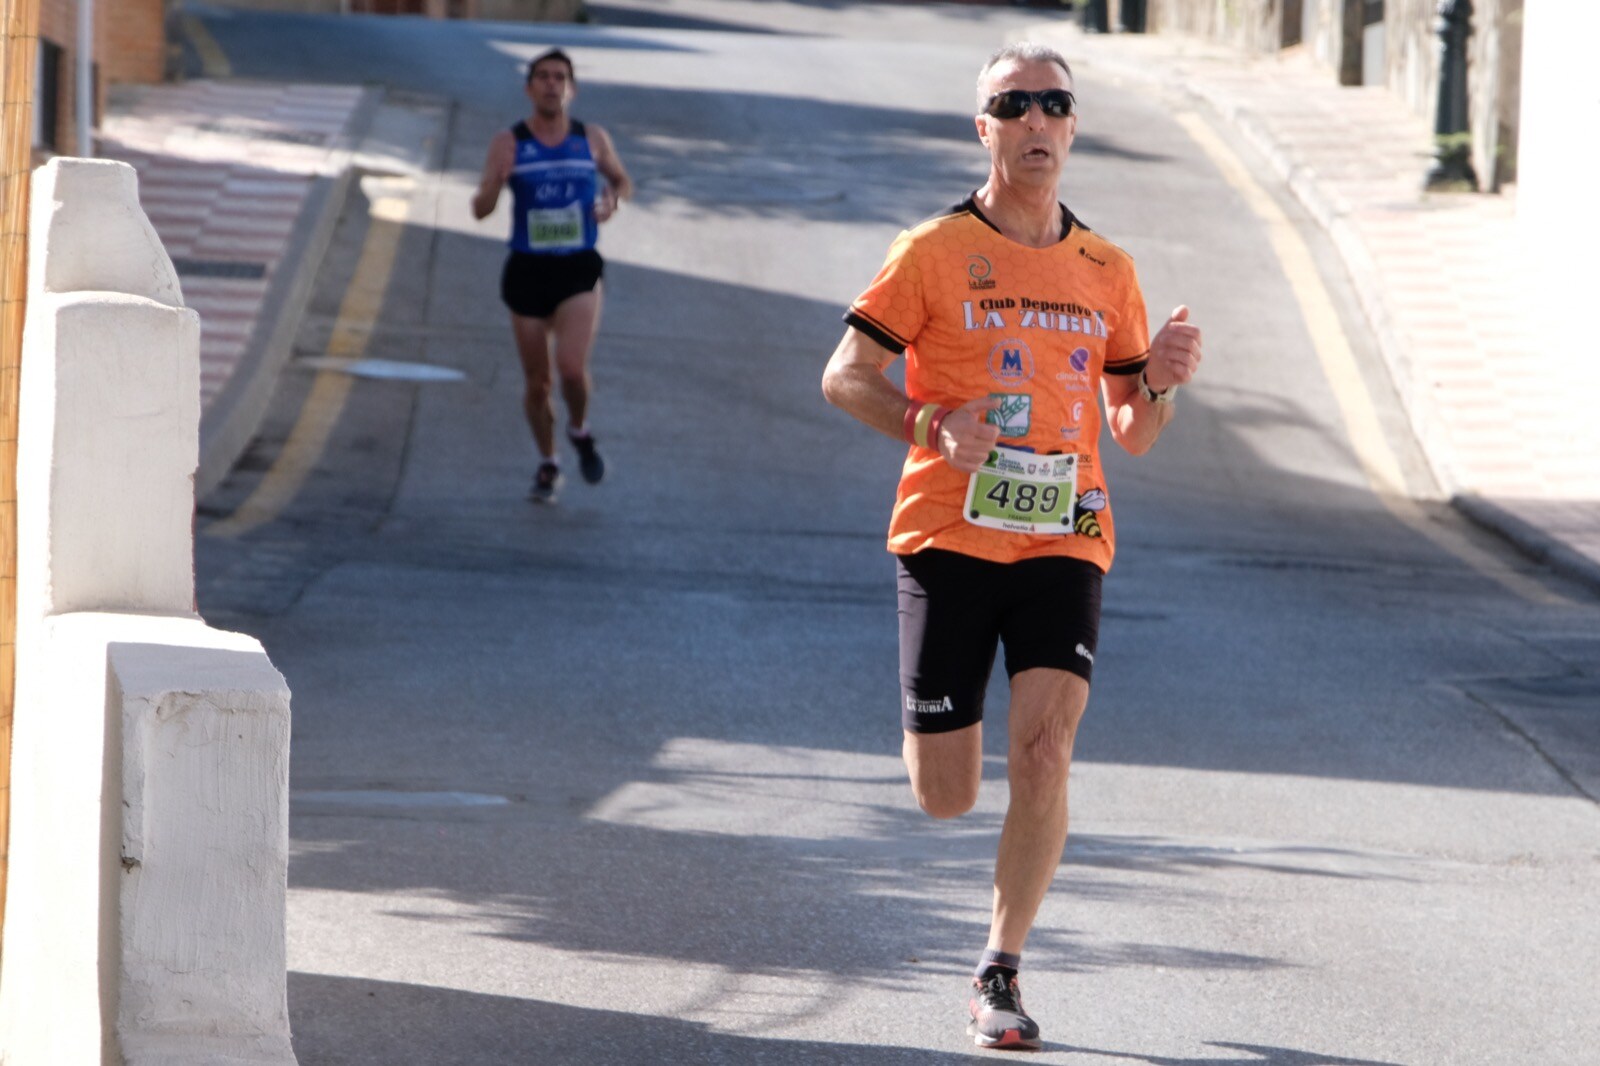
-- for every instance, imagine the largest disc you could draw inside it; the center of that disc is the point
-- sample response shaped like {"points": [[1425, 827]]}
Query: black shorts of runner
{"points": [[535, 285], [954, 612]]}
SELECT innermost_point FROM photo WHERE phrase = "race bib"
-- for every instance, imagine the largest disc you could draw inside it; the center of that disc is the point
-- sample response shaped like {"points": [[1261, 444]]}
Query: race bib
{"points": [[555, 227], [1022, 492]]}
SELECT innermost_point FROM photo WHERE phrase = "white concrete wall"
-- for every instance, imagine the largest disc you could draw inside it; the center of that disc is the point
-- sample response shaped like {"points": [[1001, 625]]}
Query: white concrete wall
{"points": [[149, 847], [202, 843], [148, 853], [1558, 167]]}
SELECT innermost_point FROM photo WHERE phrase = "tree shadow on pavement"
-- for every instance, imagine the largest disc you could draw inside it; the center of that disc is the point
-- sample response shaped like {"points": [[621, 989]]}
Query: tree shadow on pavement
{"points": [[747, 903], [344, 1021]]}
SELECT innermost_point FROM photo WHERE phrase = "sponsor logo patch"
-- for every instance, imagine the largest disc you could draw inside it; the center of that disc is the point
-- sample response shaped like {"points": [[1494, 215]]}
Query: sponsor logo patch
{"points": [[978, 270], [1015, 416], [937, 706], [1010, 362]]}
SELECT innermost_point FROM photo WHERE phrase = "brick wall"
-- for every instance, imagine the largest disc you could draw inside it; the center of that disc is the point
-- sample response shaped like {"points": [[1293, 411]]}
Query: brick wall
{"points": [[132, 40], [1249, 24]]}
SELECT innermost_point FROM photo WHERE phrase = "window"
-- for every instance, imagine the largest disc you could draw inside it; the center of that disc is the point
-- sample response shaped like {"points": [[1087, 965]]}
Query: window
{"points": [[47, 95]]}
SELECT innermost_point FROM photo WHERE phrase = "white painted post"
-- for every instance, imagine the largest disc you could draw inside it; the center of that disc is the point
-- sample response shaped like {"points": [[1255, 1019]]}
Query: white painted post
{"points": [[149, 848]]}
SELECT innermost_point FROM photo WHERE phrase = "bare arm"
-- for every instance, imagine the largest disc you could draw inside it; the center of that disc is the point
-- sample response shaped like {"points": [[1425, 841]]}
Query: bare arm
{"points": [[1175, 354], [619, 186], [854, 382], [496, 169]]}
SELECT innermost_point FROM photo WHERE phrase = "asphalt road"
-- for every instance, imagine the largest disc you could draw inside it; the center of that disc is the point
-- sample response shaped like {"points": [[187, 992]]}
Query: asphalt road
{"points": [[617, 781]]}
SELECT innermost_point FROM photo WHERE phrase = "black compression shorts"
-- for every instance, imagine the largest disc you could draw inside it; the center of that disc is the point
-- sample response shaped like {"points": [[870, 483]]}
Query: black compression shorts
{"points": [[956, 609], [535, 285]]}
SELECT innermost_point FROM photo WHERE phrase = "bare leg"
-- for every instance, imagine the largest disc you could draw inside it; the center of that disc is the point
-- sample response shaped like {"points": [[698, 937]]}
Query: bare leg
{"points": [[533, 347], [574, 325], [945, 769], [1046, 707]]}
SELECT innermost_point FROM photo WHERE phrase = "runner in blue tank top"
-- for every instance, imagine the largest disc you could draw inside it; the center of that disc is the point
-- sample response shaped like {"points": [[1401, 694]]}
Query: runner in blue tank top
{"points": [[551, 281]]}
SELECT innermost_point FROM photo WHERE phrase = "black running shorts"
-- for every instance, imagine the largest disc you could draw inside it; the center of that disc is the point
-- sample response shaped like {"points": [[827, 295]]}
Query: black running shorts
{"points": [[535, 285], [956, 609]]}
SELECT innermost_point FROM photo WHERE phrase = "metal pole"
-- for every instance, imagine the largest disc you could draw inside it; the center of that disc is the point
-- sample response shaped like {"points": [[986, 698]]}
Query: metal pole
{"points": [[85, 93], [1351, 26], [1452, 126], [1094, 16], [19, 49]]}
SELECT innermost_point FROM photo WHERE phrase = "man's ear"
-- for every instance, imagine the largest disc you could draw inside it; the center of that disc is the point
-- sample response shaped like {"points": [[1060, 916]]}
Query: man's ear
{"points": [[983, 129]]}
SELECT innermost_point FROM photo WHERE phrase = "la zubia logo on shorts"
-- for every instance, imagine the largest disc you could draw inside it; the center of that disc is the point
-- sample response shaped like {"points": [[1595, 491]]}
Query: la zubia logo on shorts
{"points": [[938, 706]]}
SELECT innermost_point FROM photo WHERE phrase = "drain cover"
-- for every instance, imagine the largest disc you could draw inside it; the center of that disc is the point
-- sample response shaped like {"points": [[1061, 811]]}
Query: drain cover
{"points": [[385, 369], [385, 798], [219, 268]]}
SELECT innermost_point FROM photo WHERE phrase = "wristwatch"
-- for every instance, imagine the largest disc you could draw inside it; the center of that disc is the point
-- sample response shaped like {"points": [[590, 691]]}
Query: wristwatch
{"points": [[1150, 395]]}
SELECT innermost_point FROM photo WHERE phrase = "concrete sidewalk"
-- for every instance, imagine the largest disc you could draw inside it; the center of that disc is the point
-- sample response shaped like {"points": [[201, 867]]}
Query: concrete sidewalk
{"points": [[1438, 275], [243, 182]]}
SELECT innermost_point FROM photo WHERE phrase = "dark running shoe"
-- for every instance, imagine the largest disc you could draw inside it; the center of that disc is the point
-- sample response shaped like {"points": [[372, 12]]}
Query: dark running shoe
{"points": [[998, 1019], [546, 484], [590, 465]]}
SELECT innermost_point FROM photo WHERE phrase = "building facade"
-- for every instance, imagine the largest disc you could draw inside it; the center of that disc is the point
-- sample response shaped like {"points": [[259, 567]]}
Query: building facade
{"points": [[1393, 43], [129, 45]]}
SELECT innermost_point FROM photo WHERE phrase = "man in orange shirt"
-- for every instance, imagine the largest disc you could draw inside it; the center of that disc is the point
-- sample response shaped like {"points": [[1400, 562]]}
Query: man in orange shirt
{"points": [[1011, 315]]}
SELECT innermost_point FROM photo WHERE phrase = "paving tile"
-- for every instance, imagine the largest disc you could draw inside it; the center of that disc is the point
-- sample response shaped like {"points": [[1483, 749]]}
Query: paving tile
{"points": [[217, 185]]}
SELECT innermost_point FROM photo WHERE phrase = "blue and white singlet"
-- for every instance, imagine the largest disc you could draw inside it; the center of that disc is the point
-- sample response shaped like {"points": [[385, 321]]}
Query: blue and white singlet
{"points": [[552, 194]]}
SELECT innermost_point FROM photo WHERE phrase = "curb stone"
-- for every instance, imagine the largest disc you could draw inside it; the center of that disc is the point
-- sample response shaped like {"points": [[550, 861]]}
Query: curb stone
{"points": [[230, 421]]}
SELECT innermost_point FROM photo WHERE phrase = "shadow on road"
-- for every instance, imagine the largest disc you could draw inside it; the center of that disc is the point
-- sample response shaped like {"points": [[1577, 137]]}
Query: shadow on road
{"points": [[390, 1023]]}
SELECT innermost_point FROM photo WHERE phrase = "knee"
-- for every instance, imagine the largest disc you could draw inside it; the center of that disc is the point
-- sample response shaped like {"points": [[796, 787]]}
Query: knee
{"points": [[947, 799], [538, 391], [1041, 760], [574, 377]]}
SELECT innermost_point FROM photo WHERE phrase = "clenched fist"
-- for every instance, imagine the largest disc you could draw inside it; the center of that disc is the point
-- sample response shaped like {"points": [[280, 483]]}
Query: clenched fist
{"points": [[965, 435], [1174, 352]]}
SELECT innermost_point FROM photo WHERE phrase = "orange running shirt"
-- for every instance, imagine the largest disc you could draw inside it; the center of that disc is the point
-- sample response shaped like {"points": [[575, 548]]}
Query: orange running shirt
{"points": [[977, 314]]}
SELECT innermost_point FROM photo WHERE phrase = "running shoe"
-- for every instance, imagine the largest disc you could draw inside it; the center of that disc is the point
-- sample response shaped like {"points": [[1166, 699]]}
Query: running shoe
{"points": [[998, 1019], [590, 465], [546, 484]]}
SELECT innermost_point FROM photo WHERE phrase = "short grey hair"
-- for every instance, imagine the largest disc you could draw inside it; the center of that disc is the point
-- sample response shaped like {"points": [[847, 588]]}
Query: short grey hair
{"points": [[1022, 52]]}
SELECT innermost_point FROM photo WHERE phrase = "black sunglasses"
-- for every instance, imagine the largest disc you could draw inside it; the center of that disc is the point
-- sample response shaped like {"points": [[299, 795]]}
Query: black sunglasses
{"points": [[1014, 103]]}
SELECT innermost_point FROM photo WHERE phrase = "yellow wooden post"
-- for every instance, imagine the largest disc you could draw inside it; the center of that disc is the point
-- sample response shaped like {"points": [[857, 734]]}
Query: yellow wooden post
{"points": [[19, 47]]}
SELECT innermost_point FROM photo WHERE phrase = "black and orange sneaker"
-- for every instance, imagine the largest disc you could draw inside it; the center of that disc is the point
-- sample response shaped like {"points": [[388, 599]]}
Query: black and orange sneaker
{"points": [[546, 484], [998, 1020]]}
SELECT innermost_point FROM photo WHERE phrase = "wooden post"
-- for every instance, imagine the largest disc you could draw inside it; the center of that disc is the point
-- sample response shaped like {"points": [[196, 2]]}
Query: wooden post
{"points": [[19, 48]]}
